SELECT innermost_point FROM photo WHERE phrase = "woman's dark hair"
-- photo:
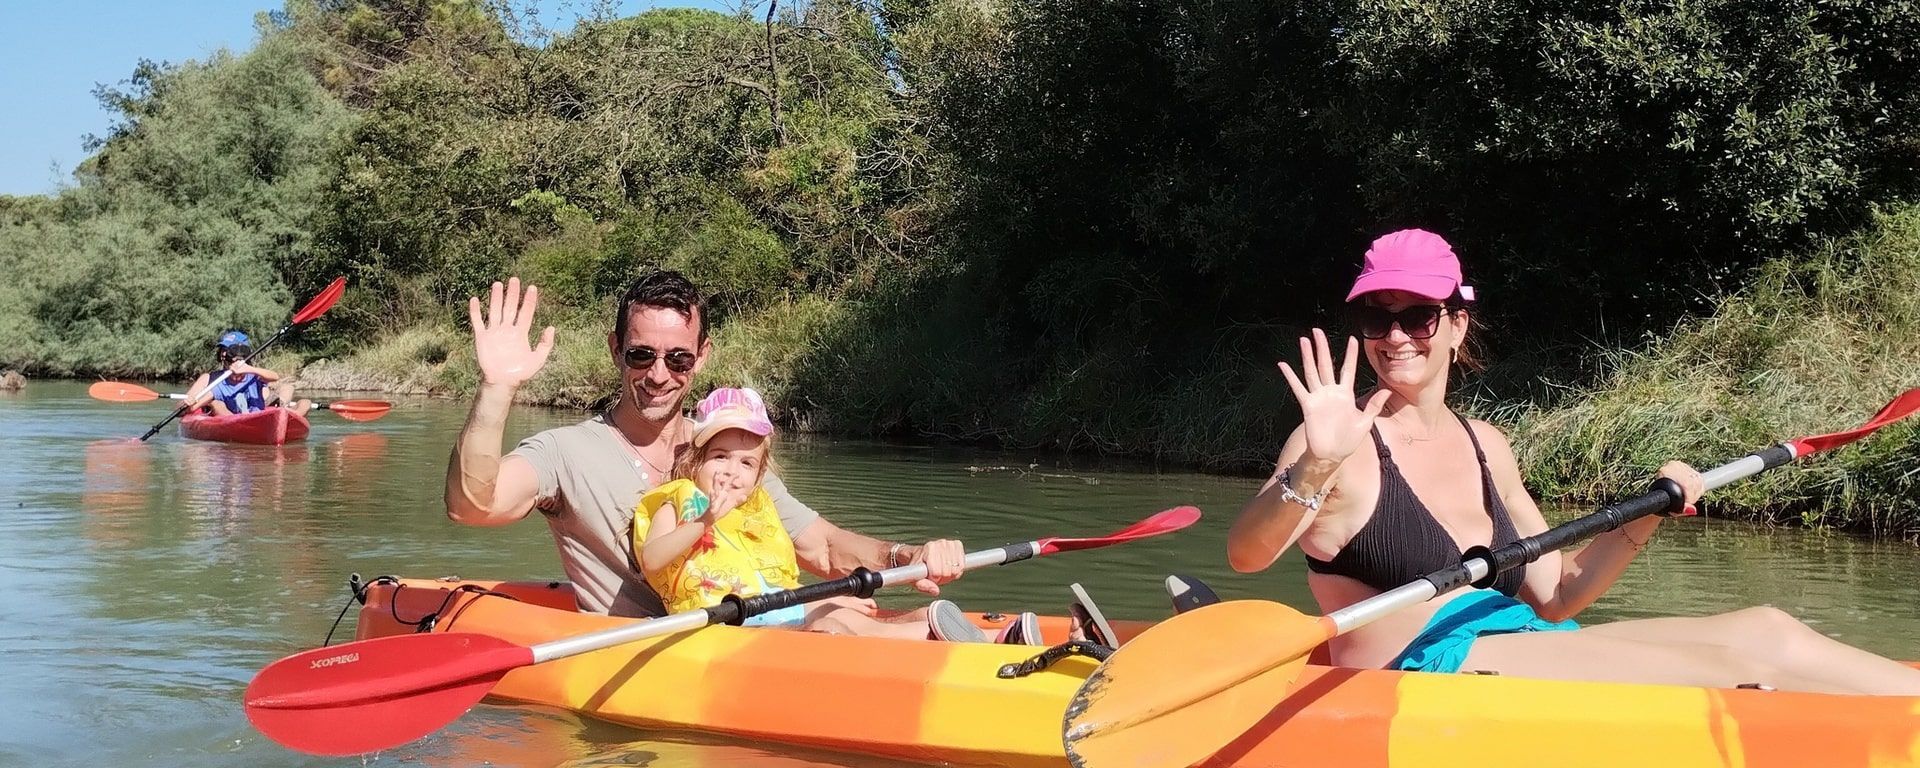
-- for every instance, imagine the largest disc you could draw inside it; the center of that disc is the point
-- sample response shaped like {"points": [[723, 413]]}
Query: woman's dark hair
{"points": [[665, 289], [1469, 355]]}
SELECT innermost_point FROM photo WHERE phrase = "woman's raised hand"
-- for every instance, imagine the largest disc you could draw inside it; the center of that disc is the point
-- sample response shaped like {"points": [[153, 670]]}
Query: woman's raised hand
{"points": [[500, 337], [1334, 426]]}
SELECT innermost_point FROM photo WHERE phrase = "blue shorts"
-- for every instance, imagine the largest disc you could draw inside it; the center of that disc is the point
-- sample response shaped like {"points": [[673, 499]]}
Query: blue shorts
{"points": [[1442, 646]]}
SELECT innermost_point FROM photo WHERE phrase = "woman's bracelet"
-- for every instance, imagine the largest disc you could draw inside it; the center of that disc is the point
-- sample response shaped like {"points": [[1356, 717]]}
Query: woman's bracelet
{"points": [[1287, 493], [893, 554], [1638, 546]]}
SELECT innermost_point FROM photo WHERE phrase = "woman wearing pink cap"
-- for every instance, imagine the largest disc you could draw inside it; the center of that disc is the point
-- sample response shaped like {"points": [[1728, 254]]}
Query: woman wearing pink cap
{"points": [[713, 531], [1437, 483]]}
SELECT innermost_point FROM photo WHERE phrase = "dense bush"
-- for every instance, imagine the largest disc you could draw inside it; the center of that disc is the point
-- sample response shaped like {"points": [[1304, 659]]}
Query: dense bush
{"points": [[193, 215], [1075, 223]]}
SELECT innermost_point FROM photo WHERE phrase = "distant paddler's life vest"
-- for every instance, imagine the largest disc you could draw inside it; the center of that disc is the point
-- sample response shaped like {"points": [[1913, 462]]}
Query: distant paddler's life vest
{"points": [[247, 396]]}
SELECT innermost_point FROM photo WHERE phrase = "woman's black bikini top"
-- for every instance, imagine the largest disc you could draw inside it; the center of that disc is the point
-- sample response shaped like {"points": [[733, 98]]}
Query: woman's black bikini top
{"points": [[1403, 542]]}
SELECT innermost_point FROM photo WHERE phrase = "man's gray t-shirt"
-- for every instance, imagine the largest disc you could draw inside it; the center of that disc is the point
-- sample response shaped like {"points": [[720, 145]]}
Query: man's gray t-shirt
{"points": [[589, 484]]}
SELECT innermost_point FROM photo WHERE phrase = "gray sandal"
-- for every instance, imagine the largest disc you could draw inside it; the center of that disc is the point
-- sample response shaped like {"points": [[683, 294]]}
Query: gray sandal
{"points": [[947, 622]]}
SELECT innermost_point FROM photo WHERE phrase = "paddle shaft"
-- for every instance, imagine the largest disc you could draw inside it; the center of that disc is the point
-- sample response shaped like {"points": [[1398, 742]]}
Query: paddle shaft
{"points": [[735, 609], [1480, 565], [317, 405]]}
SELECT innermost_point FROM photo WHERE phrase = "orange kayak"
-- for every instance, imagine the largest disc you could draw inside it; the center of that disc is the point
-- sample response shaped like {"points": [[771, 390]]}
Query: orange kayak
{"points": [[272, 426], [946, 703]]}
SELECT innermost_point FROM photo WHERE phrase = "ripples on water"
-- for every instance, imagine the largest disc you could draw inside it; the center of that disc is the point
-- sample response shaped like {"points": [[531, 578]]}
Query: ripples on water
{"points": [[151, 581]]}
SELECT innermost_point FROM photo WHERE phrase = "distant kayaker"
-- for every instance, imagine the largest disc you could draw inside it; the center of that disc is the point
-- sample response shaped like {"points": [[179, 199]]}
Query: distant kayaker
{"points": [[713, 532], [1437, 483], [244, 387], [586, 478]]}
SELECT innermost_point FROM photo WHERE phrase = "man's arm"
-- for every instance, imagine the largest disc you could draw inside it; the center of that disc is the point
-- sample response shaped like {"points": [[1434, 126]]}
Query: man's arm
{"points": [[482, 487], [829, 551]]}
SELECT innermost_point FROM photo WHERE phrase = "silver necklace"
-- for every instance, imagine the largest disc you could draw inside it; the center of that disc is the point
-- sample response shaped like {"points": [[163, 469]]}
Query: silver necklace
{"points": [[640, 460], [1409, 439]]}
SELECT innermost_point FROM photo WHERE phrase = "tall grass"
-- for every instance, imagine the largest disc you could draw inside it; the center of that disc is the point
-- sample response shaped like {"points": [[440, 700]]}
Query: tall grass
{"points": [[1812, 345]]}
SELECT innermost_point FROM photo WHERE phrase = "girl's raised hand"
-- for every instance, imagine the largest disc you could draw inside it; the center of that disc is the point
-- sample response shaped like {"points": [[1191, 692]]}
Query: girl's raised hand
{"points": [[1333, 424], [723, 501]]}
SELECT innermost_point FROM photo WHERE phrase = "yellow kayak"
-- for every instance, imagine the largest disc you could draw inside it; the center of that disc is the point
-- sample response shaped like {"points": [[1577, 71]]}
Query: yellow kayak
{"points": [[947, 702]]}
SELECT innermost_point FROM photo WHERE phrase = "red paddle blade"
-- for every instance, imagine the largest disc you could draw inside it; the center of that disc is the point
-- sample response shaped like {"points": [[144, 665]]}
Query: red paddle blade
{"points": [[1165, 521], [1903, 406], [376, 694], [321, 303], [360, 410], [118, 392]]}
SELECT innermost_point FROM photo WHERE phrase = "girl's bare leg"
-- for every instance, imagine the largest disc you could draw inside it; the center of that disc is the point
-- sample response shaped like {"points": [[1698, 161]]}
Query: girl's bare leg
{"points": [[850, 621]]}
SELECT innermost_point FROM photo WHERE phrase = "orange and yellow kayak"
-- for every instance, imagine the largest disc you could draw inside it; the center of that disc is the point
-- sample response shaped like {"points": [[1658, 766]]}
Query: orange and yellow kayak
{"points": [[946, 702]]}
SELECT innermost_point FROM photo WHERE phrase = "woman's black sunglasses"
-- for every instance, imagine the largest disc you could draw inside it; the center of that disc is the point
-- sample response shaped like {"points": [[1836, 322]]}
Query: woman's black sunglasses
{"points": [[1419, 321], [641, 358]]}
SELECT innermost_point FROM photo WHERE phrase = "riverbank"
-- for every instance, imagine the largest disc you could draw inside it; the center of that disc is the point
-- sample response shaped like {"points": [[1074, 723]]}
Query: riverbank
{"points": [[1814, 343]]}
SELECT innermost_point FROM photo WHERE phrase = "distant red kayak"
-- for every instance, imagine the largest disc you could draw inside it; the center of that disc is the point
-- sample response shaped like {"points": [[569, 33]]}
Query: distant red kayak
{"points": [[272, 426]]}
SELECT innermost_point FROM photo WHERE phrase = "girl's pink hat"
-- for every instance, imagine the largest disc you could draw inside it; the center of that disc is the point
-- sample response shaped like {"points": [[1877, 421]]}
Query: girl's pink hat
{"points": [[1411, 260], [730, 408]]}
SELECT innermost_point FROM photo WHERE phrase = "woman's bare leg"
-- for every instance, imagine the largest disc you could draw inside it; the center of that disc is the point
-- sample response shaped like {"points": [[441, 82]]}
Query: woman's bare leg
{"points": [[1600, 657], [1774, 637]]}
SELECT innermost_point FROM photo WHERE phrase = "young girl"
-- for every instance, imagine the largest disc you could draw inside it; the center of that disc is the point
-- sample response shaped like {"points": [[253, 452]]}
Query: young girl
{"points": [[712, 532]]}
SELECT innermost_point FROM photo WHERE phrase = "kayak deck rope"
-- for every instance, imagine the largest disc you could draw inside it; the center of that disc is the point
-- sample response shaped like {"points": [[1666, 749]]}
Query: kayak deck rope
{"points": [[357, 593], [1048, 657], [427, 622]]}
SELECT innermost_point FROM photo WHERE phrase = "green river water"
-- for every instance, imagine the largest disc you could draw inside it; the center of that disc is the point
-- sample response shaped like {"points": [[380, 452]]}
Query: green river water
{"points": [[150, 582]]}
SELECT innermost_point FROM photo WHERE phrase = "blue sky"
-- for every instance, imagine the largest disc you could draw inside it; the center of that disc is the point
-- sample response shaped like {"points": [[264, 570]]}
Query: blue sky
{"points": [[53, 53]]}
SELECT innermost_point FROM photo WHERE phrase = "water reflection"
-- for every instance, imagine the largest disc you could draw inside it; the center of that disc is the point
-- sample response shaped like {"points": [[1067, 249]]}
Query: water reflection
{"points": [[114, 491], [163, 575]]}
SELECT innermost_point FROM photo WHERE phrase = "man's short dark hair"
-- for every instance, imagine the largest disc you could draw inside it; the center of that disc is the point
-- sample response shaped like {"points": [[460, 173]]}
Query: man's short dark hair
{"points": [[665, 289]]}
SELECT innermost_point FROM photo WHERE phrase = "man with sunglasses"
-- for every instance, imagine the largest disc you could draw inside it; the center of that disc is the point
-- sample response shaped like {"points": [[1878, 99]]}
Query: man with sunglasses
{"points": [[587, 477]]}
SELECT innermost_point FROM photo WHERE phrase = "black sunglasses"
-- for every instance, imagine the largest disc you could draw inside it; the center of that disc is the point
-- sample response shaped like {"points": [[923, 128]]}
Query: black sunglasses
{"points": [[641, 358], [1419, 321]]}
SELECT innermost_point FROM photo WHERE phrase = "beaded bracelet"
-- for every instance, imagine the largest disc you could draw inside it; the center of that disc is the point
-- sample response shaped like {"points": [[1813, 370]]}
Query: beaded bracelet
{"points": [[1288, 494]]}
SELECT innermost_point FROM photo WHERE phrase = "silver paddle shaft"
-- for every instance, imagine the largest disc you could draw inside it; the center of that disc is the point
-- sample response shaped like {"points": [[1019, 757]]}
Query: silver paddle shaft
{"points": [[687, 621]]}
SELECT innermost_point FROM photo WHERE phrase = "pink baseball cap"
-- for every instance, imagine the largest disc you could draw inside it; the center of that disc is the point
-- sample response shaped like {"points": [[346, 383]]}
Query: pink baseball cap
{"points": [[1411, 260], [730, 408]]}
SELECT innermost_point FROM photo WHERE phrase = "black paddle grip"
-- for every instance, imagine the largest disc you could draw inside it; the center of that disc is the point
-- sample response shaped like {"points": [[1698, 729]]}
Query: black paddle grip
{"points": [[734, 609], [1664, 498], [1775, 456], [1018, 552]]}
